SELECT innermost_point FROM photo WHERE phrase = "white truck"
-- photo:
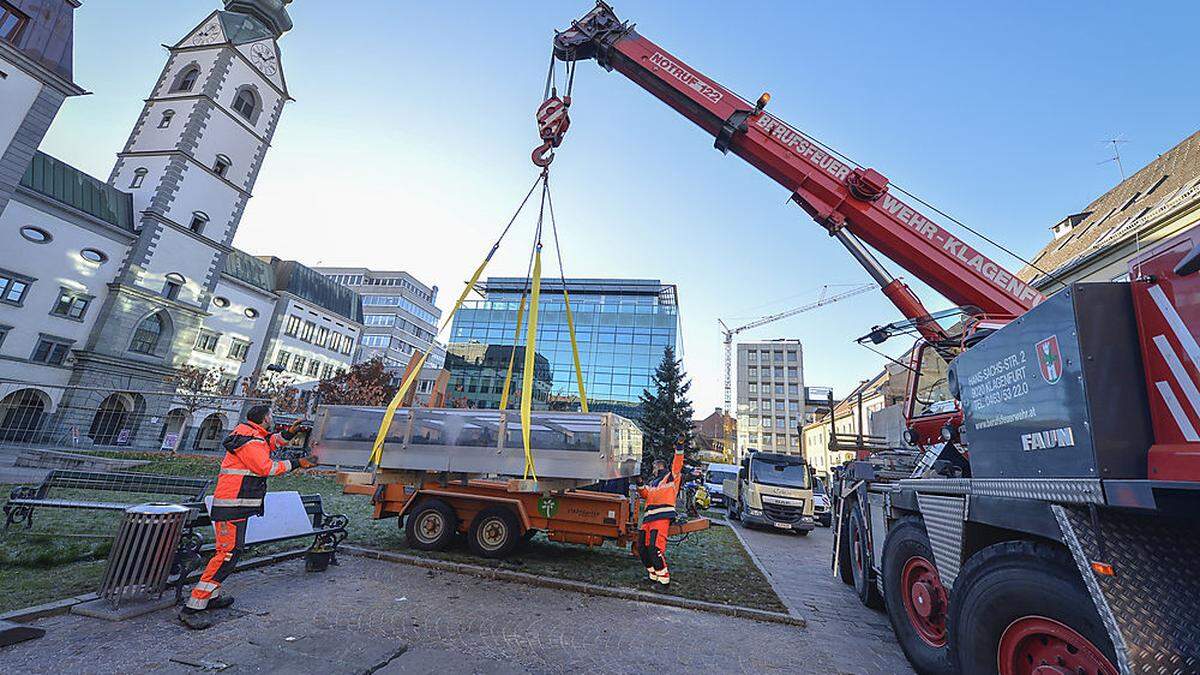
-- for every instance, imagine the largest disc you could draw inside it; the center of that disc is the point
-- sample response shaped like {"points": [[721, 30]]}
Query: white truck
{"points": [[772, 490]]}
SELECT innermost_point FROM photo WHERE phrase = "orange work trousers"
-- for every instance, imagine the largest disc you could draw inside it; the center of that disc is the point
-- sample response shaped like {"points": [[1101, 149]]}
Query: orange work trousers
{"points": [[231, 538], [652, 544]]}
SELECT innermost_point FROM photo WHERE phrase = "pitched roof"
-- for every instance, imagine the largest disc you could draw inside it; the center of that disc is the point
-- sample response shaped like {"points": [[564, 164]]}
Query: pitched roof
{"points": [[67, 185], [242, 28], [245, 267], [1169, 181], [316, 288]]}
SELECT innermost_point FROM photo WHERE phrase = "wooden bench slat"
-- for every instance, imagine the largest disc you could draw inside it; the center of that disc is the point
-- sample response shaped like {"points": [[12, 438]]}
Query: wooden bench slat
{"points": [[69, 504]]}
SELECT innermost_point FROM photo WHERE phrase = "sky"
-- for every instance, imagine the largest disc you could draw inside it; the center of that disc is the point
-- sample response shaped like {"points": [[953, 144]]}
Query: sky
{"points": [[407, 145]]}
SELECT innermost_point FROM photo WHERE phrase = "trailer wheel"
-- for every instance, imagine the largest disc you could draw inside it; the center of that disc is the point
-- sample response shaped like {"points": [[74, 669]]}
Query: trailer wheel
{"points": [[431, 525], [917, 602], [1021, 607], [860, 561], [494, 533]]}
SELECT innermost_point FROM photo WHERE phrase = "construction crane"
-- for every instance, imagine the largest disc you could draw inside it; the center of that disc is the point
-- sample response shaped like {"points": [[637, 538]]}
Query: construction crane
{"points": [[728, 333], [1050, 523]]}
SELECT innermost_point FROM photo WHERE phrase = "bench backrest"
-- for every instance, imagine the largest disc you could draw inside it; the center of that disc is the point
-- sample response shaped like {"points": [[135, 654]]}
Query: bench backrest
{"points": [[126, 482], [284, 515]]}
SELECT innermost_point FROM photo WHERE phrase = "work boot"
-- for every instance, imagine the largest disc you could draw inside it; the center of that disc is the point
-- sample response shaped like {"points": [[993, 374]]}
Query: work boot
{"points": [[220, 602], [194, 619]]}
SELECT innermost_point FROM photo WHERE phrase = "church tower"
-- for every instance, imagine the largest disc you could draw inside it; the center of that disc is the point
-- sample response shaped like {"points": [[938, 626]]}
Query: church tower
{"points": [[190, 163]]}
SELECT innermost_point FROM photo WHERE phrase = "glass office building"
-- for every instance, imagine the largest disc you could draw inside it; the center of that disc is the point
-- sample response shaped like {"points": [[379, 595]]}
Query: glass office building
{"points": [[621, 325]]}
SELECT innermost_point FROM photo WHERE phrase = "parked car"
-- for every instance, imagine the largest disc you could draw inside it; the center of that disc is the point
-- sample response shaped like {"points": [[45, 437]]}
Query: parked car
{"points": [[822, 512], [714, 481]]}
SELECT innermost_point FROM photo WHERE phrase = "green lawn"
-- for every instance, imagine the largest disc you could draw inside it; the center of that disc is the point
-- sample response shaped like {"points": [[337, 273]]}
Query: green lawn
{"points": [[46, 563]]}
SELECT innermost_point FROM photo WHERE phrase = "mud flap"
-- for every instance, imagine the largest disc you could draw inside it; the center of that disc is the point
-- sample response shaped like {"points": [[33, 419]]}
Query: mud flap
{"points": [[944, 516], [1151, 605]]}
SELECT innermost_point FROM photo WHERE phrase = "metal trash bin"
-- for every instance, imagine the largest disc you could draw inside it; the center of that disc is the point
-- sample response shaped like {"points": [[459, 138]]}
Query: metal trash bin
{"points": [[140, 560]]}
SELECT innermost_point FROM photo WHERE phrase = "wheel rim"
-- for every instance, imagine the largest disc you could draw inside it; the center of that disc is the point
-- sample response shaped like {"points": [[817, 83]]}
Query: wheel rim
{"points": [[430, 526], [924, 600], [493, 532], [1036, 645]]}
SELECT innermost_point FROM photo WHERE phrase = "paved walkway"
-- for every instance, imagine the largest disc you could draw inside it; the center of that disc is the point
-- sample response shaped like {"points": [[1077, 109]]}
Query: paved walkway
{"points": [[375, 616], [859, 640]]}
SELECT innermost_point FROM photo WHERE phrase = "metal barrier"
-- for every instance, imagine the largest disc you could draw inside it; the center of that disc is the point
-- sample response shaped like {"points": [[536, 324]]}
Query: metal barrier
{"points": [[56, 417], [141, 556]]}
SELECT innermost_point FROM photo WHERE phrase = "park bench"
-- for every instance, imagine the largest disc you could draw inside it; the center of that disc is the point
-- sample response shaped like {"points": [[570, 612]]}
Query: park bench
{"points": [[25, 498], [286, 516]]}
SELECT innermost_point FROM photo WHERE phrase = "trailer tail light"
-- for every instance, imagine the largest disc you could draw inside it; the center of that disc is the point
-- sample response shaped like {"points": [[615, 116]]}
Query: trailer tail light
{"points": [[1103, 569]]}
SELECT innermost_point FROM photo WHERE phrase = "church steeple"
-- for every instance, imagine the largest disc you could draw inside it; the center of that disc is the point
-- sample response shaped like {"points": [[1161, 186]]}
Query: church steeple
{"points": [[273, 13]]}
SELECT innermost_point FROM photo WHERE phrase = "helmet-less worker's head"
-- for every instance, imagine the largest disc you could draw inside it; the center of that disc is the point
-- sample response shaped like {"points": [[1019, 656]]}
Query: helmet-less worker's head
{"points": [[260, 415]]}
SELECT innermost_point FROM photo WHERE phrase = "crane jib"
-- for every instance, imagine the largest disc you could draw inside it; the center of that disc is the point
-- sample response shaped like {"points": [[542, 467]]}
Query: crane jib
{"points": [[813, 153]]}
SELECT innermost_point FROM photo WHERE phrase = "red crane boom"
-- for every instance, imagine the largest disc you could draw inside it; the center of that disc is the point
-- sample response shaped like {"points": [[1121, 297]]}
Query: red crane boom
{"points": [[852, 203]]}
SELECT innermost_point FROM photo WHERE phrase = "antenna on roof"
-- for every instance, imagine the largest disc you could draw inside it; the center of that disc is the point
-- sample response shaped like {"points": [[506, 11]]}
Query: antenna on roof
{"points": [[1116, 149]]}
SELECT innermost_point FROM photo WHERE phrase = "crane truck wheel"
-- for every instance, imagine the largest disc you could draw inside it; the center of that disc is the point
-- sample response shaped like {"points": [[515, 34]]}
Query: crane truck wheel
{"points": [[431, 525], [860, 561], [917, 602], [494, 533], [843, 552], [1021, 607]]}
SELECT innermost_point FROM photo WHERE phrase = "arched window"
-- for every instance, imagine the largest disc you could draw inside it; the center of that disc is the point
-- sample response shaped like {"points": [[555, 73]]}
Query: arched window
{"points": [[245, 103], [139, 175], [166, 119], [187, 79], [147, 334], [173, 285], [221, 165], [199, 220]]}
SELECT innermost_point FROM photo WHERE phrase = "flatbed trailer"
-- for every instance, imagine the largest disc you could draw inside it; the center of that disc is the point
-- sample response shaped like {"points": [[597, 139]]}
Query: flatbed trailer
{"points": [[496, 515]]}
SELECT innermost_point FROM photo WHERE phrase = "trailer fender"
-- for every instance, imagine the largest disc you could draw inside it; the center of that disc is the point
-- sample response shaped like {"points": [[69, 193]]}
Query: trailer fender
{"points": [[1021, 517], [514, 504], [944, 517]]}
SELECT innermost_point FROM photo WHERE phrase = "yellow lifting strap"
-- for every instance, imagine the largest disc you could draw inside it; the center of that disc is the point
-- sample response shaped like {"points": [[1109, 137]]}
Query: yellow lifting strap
{"points": [[583, 406], [512, 356], [530, 353], [377, 449]]}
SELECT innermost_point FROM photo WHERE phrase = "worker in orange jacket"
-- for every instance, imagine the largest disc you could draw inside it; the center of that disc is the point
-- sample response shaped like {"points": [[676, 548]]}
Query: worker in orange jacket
{"points": [[241, 487], [659, 495]]}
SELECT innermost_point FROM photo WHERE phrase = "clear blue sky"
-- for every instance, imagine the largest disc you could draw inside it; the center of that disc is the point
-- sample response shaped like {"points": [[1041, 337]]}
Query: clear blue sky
{"points": [[407, 146]]}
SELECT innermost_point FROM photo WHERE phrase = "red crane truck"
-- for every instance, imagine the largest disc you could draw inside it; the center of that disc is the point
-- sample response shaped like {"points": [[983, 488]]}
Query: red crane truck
{"points": [[1052, 527]]}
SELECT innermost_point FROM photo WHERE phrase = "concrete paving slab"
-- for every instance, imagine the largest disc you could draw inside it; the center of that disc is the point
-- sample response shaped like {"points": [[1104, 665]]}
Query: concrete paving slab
{"points": [[101, 608], [433, 661]]}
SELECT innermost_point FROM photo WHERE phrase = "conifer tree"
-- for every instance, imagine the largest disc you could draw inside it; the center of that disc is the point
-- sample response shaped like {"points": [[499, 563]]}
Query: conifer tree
{"points": [[667, 413]]}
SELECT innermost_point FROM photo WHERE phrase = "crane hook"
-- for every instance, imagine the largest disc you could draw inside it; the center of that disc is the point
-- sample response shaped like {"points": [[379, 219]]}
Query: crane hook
{"points": [[552, 121]]}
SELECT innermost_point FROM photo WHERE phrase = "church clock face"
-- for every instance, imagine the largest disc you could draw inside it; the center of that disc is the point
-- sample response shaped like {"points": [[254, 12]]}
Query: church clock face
{"points": [[264, 58], [207, 35]]}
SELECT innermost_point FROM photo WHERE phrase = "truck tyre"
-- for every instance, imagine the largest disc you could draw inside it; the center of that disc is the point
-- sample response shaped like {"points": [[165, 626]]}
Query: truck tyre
{"points": [[1019, 605], [735, 511], [494, 533], [431, 525], [917, 602], [860, 561], [843, 552]]}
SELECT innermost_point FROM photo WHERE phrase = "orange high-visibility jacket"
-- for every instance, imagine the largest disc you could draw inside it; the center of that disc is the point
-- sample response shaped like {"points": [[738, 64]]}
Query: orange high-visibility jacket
{"points": [[660, 494], [242, 481]]}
